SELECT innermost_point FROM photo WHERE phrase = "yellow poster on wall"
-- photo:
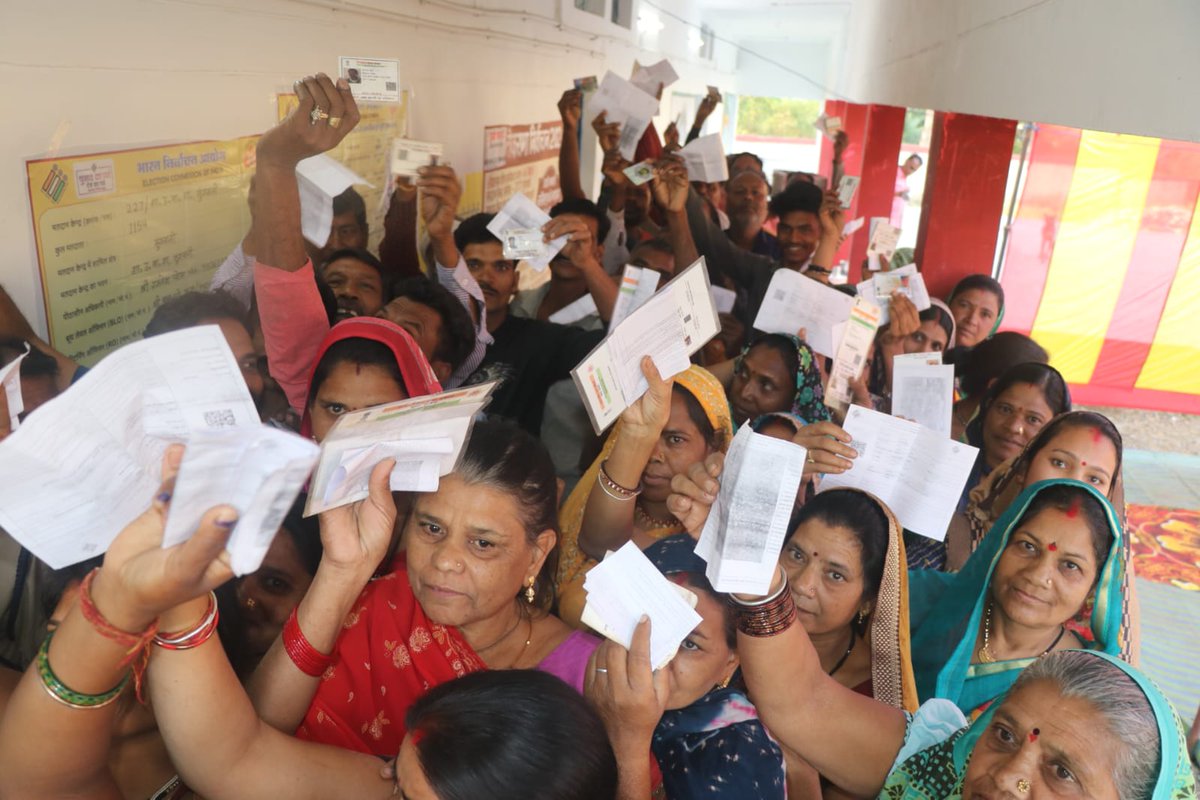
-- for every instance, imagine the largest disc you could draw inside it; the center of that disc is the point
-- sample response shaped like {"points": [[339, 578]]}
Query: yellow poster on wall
{"points": [[119, 232], [366, 151]]}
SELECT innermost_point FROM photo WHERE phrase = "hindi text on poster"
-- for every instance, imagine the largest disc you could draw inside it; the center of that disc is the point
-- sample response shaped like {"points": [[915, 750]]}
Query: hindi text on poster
{"points": [[521, 158], [120, 232]]}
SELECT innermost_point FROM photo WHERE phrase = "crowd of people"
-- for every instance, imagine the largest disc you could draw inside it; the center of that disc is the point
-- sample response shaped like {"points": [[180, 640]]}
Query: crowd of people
{"points": [[430, 645]]}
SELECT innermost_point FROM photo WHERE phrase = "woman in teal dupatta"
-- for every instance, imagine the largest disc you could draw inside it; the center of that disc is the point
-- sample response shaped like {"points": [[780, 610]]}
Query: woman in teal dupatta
{"points": [[940, 771], [952, 615]]}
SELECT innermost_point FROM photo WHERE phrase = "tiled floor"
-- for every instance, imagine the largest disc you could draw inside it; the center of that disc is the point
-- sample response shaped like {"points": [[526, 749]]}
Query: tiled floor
{"points": [[1171, 480], [1170, 616]]}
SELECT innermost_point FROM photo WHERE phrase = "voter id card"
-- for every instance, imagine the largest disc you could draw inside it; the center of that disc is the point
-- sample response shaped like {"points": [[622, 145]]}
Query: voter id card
{"points": [[522, 243]]}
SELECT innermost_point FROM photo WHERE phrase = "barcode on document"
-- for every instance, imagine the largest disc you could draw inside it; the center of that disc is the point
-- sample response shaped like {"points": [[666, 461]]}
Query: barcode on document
{"points": [[389, 85], [402, 155], [222, 418]]}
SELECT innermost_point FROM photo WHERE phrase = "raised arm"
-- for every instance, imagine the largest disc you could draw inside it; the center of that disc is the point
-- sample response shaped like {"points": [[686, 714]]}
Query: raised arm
{"points": [[707, 106], [722, 255], [608, 518], [304, 133], [670, 189], [570, 108], [398, 249], [849, 738], [355, 539], [584, 252]]}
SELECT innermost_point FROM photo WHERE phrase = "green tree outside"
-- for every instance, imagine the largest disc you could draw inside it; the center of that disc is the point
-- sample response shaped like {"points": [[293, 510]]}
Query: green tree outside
{"points": [[777, 116]]}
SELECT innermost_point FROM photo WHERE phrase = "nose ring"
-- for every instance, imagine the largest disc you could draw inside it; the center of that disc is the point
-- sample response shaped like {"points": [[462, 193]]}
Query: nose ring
{"points": [[250, 602], [1023, 786]]}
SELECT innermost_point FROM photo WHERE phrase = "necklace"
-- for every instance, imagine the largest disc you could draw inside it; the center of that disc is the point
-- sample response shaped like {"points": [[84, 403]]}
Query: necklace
{"points": [[647, 519], [985, 653], [846, 654], [505, 635]]}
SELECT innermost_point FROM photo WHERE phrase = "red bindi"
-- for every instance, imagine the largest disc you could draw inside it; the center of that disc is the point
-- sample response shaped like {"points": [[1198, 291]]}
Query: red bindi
{"points": [[1034, 734], [1084, 463], [1073, 511], [1097, 435], [1053, 546]]}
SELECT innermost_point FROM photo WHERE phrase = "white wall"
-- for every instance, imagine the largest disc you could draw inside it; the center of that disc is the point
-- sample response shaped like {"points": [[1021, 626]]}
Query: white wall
{"points": [[87, 75], [1111, 65]]}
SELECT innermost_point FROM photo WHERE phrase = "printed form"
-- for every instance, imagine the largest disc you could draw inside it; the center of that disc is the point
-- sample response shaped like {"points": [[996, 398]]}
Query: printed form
{"points": [[919, 473], [623, 102], [794, 301], [322, 178], [676, 322], [747, 524], [424, 434], [623, 587], [89, 461]]}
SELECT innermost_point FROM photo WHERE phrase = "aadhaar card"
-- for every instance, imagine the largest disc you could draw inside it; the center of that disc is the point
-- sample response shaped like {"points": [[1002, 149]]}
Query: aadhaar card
{"points": [[372, 80], [521, 243], [409, 155], [639, 173]]}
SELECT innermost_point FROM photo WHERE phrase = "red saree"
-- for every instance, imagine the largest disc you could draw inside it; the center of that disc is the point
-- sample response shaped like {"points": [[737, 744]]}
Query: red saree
{"points": [[388, 655]]}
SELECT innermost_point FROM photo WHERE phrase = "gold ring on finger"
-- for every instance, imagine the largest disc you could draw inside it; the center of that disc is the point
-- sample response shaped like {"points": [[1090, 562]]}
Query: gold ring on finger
{"points": [[316, 115], [335, 121]]}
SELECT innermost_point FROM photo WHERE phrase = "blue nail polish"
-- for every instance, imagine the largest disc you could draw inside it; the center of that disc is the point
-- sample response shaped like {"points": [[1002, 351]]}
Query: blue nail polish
{"points": [[163, 497], [226, 523]]}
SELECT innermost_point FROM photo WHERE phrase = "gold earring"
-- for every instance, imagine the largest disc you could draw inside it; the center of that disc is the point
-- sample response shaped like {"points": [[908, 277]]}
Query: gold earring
{"points": [[725, 683], [529, 592], [862, 617]]}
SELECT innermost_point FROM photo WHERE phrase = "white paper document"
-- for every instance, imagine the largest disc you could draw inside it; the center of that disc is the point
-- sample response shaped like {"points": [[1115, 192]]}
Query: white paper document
{"points": [[704, 158], [795, 301], [10, 384], [372, 80], [828, 125], [748, 523], [654, 77], [90, 460], [409, 155], [522, 216], [626, 104], [906, 280], [637, 286], [259, 471], [846, 188], [923, 392], [884, 238], [854, 337], [624, 587], [573, 312], [424, 434], [320, 179], [723, 298], [853, 226], [919, 473], [676, 322]]}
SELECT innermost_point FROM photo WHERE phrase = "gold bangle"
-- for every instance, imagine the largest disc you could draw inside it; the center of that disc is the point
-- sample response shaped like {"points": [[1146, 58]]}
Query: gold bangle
{"points": [[613, 489]]}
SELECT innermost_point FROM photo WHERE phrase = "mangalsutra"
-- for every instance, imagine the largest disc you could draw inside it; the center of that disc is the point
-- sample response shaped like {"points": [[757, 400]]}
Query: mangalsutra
{"points": [[985, 653]]}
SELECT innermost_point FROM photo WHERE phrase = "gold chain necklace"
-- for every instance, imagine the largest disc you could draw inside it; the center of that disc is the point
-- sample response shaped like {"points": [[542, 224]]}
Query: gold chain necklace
{"points": [[654, 522], [985, 653]]}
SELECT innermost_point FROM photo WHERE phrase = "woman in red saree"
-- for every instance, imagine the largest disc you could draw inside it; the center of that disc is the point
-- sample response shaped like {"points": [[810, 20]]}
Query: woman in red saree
{"points": [[471, 592]]}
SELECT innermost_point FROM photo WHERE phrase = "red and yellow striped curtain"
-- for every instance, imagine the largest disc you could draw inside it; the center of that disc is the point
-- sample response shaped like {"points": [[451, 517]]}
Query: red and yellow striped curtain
{"points": [[1103, 265]]}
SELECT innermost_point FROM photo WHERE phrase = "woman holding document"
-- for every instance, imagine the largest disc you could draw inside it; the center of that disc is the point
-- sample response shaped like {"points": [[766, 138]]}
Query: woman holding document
{"points": [[702, 729], [623, 495], [1054, 554]]}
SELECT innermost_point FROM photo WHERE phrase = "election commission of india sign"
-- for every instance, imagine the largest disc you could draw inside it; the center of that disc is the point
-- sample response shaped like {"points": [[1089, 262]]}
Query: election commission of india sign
{"points": [[521, 159], [119, 232]]}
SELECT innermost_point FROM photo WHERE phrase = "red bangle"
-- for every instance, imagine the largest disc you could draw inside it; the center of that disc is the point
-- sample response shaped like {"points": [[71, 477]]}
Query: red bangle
{"points": [[307, 658], [201, 633]]}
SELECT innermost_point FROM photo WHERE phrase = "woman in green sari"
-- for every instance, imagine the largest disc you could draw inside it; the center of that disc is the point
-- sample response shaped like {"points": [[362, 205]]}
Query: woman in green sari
{"points": [[1075, 723], [1057, 545]]}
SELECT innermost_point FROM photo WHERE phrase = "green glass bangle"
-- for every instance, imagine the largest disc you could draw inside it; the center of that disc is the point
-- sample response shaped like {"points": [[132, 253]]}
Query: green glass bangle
{"points": [[65, 695]]}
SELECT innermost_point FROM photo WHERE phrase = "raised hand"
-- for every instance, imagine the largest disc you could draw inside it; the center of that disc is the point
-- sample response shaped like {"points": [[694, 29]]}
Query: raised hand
{"points": [[648, 415], [609, 133], [439, 196], [627, 693], [325, 114], [670, 184], [356, 537], [693, 493], [833, 216], [671, 138], [904, 319], [707, 106], [140, 580], [613, 169], [828, 448], [581, 247], [570, 108]]}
